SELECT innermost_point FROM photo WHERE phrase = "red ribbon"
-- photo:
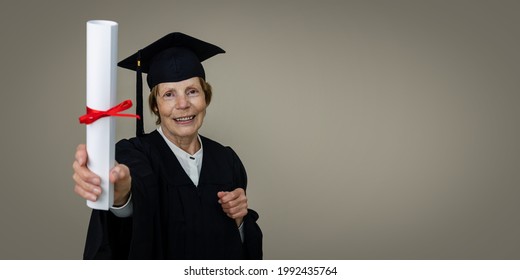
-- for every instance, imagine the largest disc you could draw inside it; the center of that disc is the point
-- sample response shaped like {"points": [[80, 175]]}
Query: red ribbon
{"points": [[93, 115]]}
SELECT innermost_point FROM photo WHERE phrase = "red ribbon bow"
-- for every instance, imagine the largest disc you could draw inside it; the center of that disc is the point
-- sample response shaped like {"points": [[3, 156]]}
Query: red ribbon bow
{"points": [[93, 115]]}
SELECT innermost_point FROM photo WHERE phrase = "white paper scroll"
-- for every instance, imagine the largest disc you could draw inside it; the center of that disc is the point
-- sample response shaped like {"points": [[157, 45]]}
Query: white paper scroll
{"points": [[101, 95]]}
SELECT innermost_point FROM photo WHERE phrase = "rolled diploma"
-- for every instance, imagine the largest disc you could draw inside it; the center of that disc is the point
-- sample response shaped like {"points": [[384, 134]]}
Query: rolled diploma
{"points": [[101, 95]]}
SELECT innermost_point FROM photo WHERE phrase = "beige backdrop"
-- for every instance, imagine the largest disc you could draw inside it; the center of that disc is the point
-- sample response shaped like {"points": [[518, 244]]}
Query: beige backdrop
{"points": [[369, 129]]}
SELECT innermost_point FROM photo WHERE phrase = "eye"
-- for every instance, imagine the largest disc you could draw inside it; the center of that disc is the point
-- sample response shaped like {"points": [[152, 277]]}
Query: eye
{"points": [[192, 92], [168, 95]]}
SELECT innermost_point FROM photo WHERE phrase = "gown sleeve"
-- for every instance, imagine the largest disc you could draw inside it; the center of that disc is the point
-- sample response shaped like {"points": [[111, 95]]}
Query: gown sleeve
{"points": [[110, 237], [252, 232]]}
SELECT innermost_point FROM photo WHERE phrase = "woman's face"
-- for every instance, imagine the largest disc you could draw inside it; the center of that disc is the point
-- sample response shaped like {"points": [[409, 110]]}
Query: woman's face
{"points": [[182, 108]]}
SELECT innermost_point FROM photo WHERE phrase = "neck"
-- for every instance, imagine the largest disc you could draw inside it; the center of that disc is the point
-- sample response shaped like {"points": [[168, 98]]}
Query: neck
{"points": [[189, 144]]}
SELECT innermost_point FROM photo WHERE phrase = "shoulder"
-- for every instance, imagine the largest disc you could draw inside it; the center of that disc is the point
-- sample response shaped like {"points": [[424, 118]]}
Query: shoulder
{"points": [[209, 143], [227, 160], [142, 154], [143, 147], [213, 146], [145, 140], [220, 151]]}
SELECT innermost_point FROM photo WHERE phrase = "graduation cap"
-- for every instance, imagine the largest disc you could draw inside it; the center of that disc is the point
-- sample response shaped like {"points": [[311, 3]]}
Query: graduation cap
{"points": [[173, 58]]}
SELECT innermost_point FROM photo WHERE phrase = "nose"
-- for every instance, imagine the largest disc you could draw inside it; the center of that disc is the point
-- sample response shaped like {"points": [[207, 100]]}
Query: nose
{"points": [[182, 102]]}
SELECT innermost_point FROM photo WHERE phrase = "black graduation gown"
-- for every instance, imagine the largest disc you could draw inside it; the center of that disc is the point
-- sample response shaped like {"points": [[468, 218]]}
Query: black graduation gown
{"points": [[172, 218]]}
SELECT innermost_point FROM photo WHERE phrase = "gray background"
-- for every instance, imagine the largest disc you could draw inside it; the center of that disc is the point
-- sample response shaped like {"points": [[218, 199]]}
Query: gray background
{"points": [[370, 129]]}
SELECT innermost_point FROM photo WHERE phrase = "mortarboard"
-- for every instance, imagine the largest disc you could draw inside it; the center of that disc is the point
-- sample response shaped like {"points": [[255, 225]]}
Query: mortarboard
{"points": [[174, 57]]}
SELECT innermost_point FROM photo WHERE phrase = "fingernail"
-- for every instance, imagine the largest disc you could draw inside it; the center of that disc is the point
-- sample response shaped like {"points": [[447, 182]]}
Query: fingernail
{"points": [[97, 191], [96, 181]]}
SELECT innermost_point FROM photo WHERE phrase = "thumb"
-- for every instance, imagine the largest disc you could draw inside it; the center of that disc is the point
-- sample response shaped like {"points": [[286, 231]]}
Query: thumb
{"points": [[81, 154], [115, 174]]}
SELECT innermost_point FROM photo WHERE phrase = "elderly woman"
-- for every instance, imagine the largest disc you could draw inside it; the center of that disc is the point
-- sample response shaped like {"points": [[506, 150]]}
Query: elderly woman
{"points": [[177, 194]]}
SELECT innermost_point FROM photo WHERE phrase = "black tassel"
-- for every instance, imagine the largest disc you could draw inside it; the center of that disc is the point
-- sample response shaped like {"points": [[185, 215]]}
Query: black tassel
{"points": [[139, 98]]}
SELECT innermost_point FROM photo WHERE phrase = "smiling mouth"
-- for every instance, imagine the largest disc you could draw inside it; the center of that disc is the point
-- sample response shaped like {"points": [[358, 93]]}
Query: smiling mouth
{"points": [[184, 119]]}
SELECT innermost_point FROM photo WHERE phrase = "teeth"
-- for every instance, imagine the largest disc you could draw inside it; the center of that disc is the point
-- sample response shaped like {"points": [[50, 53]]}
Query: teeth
{"points": [[184, 119]]}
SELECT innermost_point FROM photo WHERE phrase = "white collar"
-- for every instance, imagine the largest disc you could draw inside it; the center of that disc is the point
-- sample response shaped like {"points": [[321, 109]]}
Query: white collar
{"points": [[178, 151], [192, 164]]}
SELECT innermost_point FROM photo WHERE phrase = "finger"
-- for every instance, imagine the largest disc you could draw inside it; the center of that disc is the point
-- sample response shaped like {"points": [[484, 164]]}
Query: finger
{"points": [[232, 204], [86, 186], [85, 174], [227, 197], [233, 211], [84, 194], [221, 194], [240, 213], [239, 201], [231, 208], [239, 191]]}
